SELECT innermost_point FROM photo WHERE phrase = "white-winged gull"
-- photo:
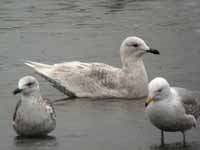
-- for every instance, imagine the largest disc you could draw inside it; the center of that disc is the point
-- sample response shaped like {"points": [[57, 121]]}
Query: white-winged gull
{"points": [[99, 80], [172, 109], [34, 116]]}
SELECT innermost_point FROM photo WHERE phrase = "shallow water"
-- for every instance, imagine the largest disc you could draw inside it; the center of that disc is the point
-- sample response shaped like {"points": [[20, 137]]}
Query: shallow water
{"points": [[58, 30]]}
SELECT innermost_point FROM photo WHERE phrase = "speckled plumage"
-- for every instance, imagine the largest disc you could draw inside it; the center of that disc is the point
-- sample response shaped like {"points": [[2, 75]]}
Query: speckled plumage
{"points": [[99, 80], [33, 115]]}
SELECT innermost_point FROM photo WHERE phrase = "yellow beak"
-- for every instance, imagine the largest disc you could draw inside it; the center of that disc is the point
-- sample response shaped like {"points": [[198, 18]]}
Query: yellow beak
{"points": [[148, 101]]}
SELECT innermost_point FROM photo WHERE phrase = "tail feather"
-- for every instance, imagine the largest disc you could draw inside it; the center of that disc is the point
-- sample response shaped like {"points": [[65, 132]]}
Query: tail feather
{"points": [[39, 67]]}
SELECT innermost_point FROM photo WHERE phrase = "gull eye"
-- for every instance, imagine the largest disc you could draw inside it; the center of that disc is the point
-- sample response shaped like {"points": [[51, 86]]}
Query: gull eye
{"points": [[160, 90], [135, 45], [131, 44], [30, 84]]}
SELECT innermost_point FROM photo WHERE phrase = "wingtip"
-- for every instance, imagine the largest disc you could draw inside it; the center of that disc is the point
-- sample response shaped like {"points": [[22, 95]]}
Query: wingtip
{"points": [[36, 64], [29, 63]]}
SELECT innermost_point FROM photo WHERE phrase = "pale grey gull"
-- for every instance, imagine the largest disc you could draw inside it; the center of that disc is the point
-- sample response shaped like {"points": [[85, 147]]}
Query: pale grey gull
{"points": [[172, 109], [99, 80]]}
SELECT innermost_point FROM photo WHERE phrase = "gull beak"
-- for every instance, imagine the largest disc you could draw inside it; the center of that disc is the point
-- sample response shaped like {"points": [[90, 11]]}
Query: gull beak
{"points": [[148, 101], [17, 91], [153, 51]]}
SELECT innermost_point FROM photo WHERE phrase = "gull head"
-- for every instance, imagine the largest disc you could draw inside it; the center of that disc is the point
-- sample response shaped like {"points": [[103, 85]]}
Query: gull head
{"points": [[135, 46], [159, 89], [27, 85]]}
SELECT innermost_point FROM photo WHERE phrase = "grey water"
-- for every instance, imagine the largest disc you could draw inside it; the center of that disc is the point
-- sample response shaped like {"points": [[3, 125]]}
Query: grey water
{"points": [[53, 31]]}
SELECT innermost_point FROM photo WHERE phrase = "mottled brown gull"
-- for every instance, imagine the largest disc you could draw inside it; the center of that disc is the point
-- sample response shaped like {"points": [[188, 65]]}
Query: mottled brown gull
{"points": [[99, 80], [33, 115], [172, 109]]}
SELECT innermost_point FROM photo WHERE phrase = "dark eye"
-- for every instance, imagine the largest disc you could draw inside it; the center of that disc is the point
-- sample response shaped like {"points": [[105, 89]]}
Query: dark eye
{"points": [[135, 45], [160, 90], [30, 84]]}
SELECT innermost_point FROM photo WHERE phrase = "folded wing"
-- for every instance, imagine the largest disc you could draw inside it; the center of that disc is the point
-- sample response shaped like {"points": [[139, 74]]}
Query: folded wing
{"points": [[78, 79], [190, 101]]}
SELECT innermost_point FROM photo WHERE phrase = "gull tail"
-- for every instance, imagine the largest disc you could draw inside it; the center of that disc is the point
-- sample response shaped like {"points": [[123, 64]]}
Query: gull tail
{"points": [[39, 67], [44, 71]]}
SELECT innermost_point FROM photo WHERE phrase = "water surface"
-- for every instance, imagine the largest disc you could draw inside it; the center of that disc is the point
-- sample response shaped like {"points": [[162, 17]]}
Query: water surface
{"points": [[91, 30]]}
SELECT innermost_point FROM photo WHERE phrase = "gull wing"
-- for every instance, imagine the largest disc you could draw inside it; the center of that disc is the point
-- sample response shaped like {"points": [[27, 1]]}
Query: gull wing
{"points": [[16, 109], [49, 107], [190, 101], [78, 79]]}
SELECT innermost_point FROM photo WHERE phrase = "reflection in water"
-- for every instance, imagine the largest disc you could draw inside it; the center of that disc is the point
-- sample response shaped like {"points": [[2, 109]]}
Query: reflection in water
{"points": [[35, 143], [64, 30], [100, 105], [176, 146], [113, 5]]}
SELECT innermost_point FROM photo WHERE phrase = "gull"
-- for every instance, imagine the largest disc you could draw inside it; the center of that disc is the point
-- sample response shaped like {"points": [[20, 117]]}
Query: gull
{"points": [[99, 80], [34, 116], [172, 109]]}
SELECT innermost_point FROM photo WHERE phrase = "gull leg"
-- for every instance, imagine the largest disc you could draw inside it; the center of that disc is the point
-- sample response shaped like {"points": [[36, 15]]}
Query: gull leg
{"points": [[162, 138], [184, 139]]}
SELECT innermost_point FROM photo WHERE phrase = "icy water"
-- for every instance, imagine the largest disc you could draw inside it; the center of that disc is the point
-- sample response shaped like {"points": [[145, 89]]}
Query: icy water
{"points": [[54, 31]]}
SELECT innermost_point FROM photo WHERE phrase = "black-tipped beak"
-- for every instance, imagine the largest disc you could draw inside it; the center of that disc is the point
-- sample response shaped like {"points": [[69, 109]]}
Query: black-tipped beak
{"points": [[153, 51], [148, 101], [16, 91], [146, 104]]}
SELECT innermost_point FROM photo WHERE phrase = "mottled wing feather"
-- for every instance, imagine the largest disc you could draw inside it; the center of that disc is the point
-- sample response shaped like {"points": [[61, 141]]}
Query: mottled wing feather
{"points": [[86, 78], [190, 100], [16, 109], [49, 105], [79, 79], [105, 75]]}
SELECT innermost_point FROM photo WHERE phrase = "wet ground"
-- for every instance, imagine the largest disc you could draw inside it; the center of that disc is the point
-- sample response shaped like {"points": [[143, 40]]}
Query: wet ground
{"points": [[91, 30]]}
